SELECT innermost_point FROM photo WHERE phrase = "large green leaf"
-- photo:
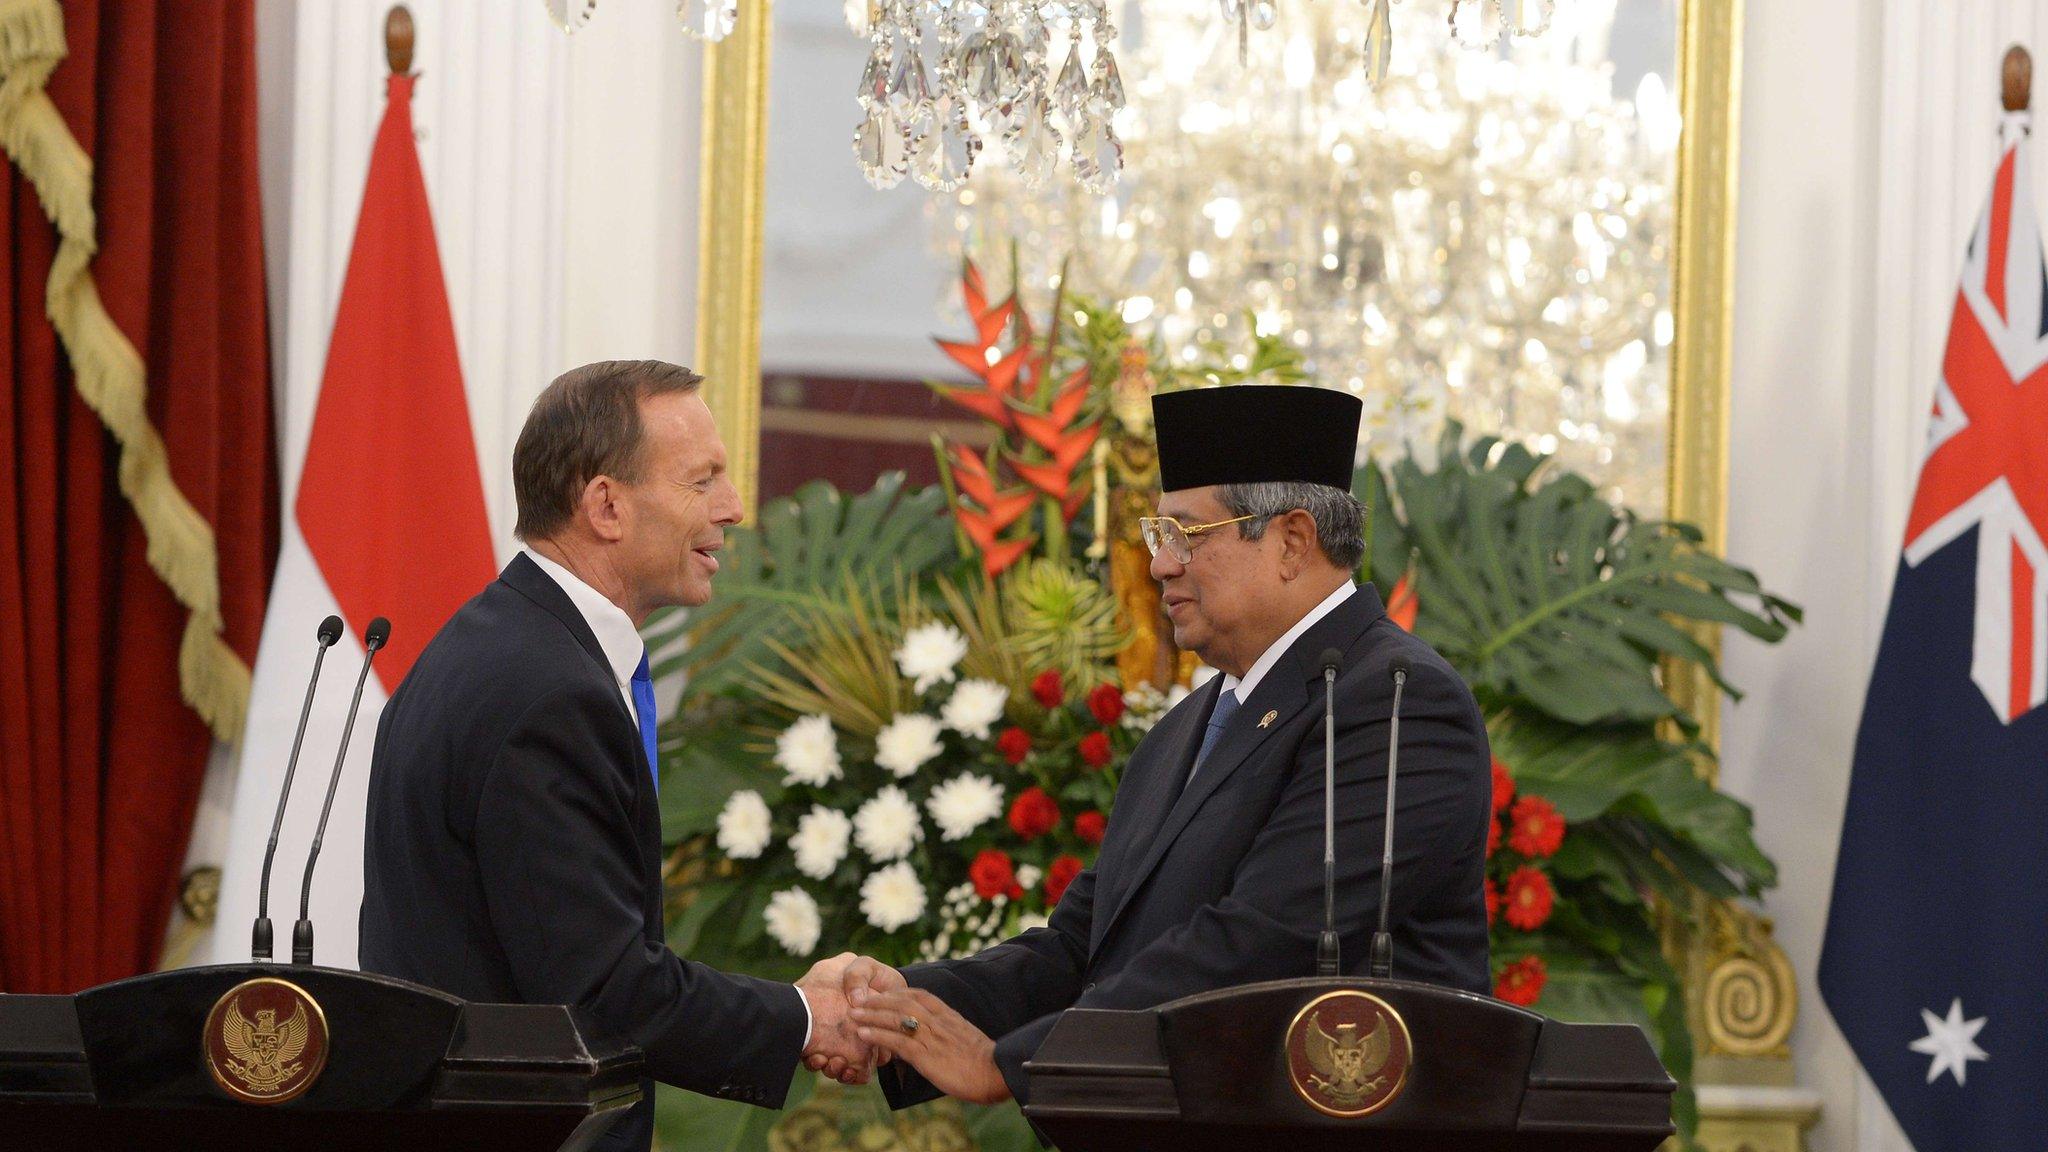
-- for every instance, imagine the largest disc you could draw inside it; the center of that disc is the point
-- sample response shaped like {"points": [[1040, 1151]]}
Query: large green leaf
{"points": [[797, 559], [1536, 588], [1639, 801]]}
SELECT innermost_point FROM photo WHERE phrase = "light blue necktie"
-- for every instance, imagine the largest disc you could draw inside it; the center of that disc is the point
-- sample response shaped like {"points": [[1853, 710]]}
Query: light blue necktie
{"points": [[1226, 706], [643, 703]]}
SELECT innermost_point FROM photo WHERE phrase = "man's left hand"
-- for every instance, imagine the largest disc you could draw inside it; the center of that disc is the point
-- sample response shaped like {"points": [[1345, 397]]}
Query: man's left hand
{"points": [[832, 1031], [958, 1058]]}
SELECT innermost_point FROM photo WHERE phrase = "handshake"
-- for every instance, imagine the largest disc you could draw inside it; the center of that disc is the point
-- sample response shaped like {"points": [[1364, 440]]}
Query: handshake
{"points": [[864, 1014]]}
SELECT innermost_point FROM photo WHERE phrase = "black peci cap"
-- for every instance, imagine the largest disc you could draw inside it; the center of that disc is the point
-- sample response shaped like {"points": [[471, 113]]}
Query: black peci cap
{"points": [[1256, 434]]}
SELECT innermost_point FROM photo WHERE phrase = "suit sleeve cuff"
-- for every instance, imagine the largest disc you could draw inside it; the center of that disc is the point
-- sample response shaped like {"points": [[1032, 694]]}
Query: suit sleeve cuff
{"points": [[809, 1021]]}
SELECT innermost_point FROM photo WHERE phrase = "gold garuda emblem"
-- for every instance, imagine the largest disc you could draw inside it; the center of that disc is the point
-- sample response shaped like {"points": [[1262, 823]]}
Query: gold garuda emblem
{"points": [[265, 1041], [1348, 1053]]}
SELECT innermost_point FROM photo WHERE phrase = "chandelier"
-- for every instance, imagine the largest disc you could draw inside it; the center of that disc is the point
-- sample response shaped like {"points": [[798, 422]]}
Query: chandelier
{"points": [[1484, 236], [946, 77], [708, 20]]}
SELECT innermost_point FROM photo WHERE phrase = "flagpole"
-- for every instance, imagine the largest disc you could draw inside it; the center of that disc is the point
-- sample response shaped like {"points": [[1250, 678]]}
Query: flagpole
{"points": [[2018, 79], [398, 39]]}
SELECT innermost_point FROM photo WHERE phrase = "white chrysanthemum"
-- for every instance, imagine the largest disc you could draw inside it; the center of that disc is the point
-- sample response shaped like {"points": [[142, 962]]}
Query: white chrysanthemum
{"points": [[964, 803], [1028, 876], [809, 752], [1030, 920], [744, 825], [793, 921], [975, 705], [929, 654], [907, 742], [820, 841], [892, 897], [887, 826]]}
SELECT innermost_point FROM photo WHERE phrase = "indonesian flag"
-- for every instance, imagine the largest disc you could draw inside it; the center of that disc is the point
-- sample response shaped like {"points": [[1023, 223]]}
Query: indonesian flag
{"points": [[389, 521]]}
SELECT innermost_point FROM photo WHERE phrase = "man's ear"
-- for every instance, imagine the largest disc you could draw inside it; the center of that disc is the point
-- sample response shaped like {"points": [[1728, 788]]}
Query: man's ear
{"points": [[599, 508], [1299, 545]]}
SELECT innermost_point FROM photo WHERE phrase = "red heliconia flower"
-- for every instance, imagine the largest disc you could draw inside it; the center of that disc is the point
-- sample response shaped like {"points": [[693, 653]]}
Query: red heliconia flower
{"points": [[992, 873], [999, 556], [1048, 478], [1528, 899], [1492, 900], [1090, 826], [1058, 875], [1095, 750], [1048, 689], [1402, 606], [1014, 744], [1521, 982], [1503, 786], [1106, 704], [1538, 829], [1033, 813]]}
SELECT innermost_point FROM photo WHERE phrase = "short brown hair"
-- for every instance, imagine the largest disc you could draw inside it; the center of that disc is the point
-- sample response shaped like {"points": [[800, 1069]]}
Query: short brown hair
{"points": [[584, 424]]}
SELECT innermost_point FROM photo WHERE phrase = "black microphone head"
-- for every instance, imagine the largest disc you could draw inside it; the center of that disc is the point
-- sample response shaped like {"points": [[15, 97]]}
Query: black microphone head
{"points": [[1399, 667], [330, 630], [379, 632], [1330, 659]]}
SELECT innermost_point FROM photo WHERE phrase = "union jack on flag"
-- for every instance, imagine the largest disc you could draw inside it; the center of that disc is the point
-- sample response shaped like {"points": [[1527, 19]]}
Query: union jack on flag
{"points": [[1939, 922]]}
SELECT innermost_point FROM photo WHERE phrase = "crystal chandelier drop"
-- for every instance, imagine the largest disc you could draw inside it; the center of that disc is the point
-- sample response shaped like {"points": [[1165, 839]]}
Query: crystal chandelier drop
{"points": [[709, 20], [1483, 236], [948, 78]]}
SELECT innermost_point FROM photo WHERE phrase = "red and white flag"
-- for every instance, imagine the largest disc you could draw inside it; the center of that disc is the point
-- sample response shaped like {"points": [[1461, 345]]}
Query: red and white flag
{"points": [[389, 520]]}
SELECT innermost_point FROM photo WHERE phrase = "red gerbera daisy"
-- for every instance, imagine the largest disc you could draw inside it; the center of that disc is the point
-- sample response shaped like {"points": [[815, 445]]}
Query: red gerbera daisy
{"points": [[1528, 899], [1521, 982], [1538, 829]]}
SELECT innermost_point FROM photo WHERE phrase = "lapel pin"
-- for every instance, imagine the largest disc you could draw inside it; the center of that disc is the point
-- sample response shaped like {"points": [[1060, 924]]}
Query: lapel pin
{"points": [[1268, 718]]}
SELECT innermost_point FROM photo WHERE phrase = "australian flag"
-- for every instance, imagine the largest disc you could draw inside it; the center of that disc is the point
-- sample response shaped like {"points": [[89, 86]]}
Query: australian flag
{"points": [[1935, 963]]}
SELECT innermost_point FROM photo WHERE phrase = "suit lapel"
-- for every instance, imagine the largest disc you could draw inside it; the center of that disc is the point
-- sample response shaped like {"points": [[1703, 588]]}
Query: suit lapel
{"points": [[522, 575], [1284, 691]]}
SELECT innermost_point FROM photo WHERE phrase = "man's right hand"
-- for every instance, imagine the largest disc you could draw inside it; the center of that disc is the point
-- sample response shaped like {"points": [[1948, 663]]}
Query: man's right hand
{"points": [[833, 1047], [851, 973]]}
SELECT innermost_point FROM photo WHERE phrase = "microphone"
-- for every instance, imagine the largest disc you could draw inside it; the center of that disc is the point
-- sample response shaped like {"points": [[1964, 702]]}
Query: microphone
{"points": [[1326, 944], [259, 936], [302, 932], [1382, 943]]}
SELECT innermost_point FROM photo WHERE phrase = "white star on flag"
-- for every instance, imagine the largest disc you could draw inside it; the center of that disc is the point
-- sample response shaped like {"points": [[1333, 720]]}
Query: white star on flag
{"points": [[1952, 1042]]}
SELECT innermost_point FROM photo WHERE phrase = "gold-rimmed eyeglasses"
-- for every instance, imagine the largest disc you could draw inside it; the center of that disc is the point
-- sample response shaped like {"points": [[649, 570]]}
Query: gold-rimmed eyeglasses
{"points": [[1178, 538]]}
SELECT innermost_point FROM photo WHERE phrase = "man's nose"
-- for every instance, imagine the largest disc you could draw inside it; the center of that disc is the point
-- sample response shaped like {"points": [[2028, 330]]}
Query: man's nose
{"points": [[1165, 566], [730, 511]]}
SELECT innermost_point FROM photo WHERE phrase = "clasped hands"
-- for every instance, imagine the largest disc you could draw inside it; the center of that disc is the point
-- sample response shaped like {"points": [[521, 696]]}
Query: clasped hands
{"points": [[863, 1015]]}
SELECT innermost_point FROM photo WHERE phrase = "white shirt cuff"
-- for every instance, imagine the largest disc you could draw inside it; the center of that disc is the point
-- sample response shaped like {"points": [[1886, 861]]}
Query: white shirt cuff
{"points": [[808, 1019]]}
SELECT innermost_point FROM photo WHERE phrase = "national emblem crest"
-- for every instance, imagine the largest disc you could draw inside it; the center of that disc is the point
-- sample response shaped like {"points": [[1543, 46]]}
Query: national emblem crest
{"points": [[265, 1041], [1348, 1053]]}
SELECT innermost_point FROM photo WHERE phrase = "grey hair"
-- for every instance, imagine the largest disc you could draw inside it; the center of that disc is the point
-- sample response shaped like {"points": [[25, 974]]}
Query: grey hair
{"points": [[1340, 519]]}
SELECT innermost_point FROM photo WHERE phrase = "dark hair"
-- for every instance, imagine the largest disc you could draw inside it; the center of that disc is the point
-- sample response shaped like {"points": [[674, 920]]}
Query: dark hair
{"points": [[584, 424], [1339, 517]]}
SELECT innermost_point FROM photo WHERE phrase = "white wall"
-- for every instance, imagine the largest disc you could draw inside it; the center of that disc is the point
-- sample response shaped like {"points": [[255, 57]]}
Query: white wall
{"points": [[1868, 134]]}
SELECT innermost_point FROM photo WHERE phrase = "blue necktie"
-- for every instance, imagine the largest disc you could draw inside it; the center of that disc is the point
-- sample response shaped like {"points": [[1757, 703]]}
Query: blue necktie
{"points": [[643, 703], [1226, 705]]}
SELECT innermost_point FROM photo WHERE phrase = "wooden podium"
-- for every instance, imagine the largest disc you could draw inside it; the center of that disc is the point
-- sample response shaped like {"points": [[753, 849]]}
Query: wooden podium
{"points": [[286, 1056], [1306, 1065]]}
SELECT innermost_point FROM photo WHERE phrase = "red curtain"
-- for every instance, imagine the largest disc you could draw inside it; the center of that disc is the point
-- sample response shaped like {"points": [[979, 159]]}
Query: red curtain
{"points": [[100, 759]]}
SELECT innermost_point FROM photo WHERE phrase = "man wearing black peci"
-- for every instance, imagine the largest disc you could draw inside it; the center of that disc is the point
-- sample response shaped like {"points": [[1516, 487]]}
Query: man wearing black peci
{"points": [[513, 845], [1210, 873]]}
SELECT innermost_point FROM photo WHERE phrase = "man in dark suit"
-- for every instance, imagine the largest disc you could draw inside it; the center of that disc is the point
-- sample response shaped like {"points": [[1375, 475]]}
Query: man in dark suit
{"points": [[1208, 876], [513, 845]]}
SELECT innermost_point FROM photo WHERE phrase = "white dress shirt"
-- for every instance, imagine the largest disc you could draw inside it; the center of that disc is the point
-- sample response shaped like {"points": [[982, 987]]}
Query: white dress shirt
{"points": [[623, 649]]}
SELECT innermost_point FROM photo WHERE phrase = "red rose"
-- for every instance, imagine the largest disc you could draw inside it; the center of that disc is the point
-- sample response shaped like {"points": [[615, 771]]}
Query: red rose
{"points": [[1034, 813], [1095, 750], [1503, 786], [1014, 744], [1522, 981], [992, 873], [1048, 689], [1538, 829], [1492, 836], [1492, 900], [1107, 704], [1528, 898], [1058, 875], [1090, 826]]}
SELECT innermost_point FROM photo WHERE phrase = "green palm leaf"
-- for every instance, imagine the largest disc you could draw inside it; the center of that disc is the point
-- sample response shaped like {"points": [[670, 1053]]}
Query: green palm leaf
{"points": [[1535, 587], [794, 563]]}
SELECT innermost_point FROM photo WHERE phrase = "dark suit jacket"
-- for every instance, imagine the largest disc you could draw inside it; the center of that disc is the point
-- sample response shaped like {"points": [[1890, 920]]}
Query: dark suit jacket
{"points": [[513, 853], [1222, 884]]}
